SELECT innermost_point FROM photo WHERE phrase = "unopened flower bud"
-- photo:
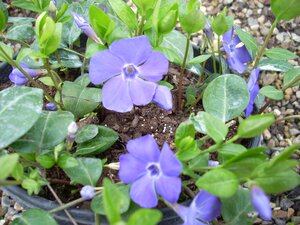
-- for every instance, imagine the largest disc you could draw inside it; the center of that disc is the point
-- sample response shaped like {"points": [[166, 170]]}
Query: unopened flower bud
{"points": [[50, 106], [72, 130], [87, 192], [213, 163], [52, 6], [208, 31], [261, 203]]}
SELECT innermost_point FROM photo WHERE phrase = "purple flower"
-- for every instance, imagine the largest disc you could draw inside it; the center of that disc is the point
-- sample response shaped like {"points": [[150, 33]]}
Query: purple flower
{"points": [[208, 31], [54, 2], [87, 192], [236, 52], [131, 69], [50, 106], [18, 78], [253, 90], [150, 171], [213, 163], [261, 203], [85, 27], [204, 208]]}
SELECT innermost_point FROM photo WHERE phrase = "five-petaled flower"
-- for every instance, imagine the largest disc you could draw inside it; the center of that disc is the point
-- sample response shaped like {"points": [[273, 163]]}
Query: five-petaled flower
{"points": [[85, 27], [150, 171], [261, 203], [18, 78], [131, 69], [237, 53], [253, 88], [204, 208]]}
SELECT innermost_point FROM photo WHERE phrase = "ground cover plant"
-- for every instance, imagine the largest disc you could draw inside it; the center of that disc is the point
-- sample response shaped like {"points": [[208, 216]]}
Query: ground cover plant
{"points": [[64, 85]]}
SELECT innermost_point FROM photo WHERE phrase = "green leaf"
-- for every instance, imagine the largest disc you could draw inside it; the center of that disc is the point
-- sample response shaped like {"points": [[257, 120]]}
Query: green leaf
{"points": [[20, 108], [285, 10], [187, 149], [80, 100], [47, 81], [292, 76], [274, 65], [23, 53], [18, 172], [3, 16], [171, 55], [215, 127], [8, 50], [83, 80], [248, 40], [22, 32], [284, 155], [122, 197], [219, 182], [176, 41], [228, 151], [219, 24], [236, 209], [105, 138], [199, 59], [197, 163], [145, 217], [46, 161], [280, 54], [8, 164], [36, 6], [113, 200], [86, 133], [185, 129], [271, 92], [144, 5], [125, 13], [50, 130], [167, 23], [198, 121], [66, 59], [53, 42], [34, 217], [86, 172], [255, 125], [226, 97], [66, 161], [92, 48]]}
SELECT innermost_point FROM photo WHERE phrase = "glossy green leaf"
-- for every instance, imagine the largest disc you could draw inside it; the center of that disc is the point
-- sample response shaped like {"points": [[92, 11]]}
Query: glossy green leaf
{"points": [[185, 129], [3, 16], [105, 138], [144, 5], [236, 209], [18, 172], [122, 197], [53, 42], [198, 121], [274, 65], [50, 130], [228, 151], [226, 97], [285, 10], [46, 161], [22, 32], [255, 125], [36, 6], [86, 133], [168, 21], [219, 182], [23, 53], [47, 81], [66, 161], [271, 92], [219, 24], [8, 163], [92, 48], [34, 217], [187, 149], [20, 108], [284, 155], [292, 77], [170, 54], [215, 127], [86, 172], [199, 59], [145, 217], [8, 50], [248, 40], [280, 54], [80, 100], [83, 80], [125, 13], [66, 59]]}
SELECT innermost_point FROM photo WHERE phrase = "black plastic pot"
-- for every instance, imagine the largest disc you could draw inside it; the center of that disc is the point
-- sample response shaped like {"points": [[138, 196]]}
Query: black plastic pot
{"points": [[5, 70]]}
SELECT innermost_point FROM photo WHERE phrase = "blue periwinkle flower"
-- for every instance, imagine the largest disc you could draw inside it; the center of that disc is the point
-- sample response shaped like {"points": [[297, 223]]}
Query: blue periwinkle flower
{"points": [[85, 27], [213, 163], [261, 203], [253, 88], [150, 171], [208, 30], [131, 70], [204, 208], [50, 106], [237, 53], [87, 192], [18, 78]]}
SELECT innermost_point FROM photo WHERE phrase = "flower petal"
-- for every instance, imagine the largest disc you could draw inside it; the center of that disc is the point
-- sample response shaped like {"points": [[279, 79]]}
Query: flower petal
{"points": [[235, 64], [169, 188], [103, 66], [132, 50], [206, 206], [163, 97], [16, 79], [227, 37], [241, 52], [155, 67], [143, 193], [115, 95], [144, 148], [169, 164], [261, 203], [131, 168], [141, 91]]}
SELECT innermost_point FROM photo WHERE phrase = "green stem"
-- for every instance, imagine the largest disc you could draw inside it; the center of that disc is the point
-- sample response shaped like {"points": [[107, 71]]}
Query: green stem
{"points": [[213, 56], [10, 182], [220, 56], [36, 84], [141, 26], [97, 219], [263, 48], [288, 118], [183, 66], [72, 51]]}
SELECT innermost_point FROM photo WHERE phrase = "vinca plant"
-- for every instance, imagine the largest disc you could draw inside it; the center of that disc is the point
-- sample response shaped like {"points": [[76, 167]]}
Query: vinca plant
{"points": [[81, 58]]}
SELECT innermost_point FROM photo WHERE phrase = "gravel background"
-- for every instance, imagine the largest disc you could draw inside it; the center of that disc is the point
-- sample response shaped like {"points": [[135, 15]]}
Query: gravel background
{"points": [[255, 17]]}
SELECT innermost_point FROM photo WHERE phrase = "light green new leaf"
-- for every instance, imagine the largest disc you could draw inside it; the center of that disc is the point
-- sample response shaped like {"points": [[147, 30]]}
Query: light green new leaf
{"points": [[271, 92], [199, 59], [285, 10], [215, 127], [8, 163], [280, 54], [145, 217], [292, 77], [34, 217], [8, 50]]}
